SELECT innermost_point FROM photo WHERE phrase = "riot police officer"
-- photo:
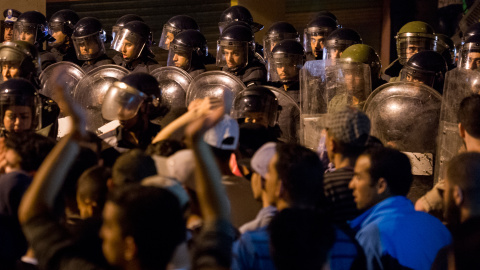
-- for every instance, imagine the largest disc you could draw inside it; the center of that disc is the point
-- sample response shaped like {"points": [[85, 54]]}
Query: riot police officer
{"points": [[314, 36], [338, 41], [238, 13], [32, 27], [412, 38], [20, 59], [88, 39], [188, 51], [278, 32], [427, 67], [19, 104], [61, 27], [469, 56], [235, 54], [285, 64], [6, 27], [119, 24], [133, 41], [134, 101], [173, 26], [362, 53]]}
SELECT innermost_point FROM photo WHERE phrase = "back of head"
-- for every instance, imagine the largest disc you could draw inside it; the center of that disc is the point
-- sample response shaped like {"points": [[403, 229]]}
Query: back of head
{"points": [[31, 147], [165, 148], [391, 165], [469, 115], [300, 239], [464, 170], [132, 167], [92, 186], [152, 216], [300, 171]]}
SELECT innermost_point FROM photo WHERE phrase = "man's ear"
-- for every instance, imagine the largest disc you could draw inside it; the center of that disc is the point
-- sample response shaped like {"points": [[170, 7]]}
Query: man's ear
{"points": [[130, 251], [458, 196], [382, 186], [461, 130]]}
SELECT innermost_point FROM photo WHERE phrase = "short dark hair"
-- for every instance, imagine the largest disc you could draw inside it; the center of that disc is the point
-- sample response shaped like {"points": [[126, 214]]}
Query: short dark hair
{"points": [[92, 184], [165, 148], [301, 173], [152, 216], [32, 148], [132, 167], [300, 239], [464, 170], [469, 115], [393, 166]]}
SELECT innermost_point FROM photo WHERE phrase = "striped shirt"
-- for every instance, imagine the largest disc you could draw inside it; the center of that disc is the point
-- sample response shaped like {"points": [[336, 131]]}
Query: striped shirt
{"points": [[338, 194]]}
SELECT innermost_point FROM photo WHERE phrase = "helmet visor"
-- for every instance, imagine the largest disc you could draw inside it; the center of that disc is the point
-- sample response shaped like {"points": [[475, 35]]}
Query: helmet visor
{"points": [[128, 43], [335, 48], [25, 32], [407, 46], [269, 42], [256, 109], [168, 34], [470, 56], [283, 67], [121, 102], [412, 75], [179, 56], [232, 54], [314, 38], [89, 47]]}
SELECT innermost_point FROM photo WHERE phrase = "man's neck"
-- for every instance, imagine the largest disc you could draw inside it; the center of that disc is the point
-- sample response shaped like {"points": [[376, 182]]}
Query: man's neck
{"points": [[472, 144], [341, 161]]}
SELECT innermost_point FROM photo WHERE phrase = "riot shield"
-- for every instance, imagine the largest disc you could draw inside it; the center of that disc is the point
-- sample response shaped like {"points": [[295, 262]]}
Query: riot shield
{"points": [[288, 116], [327, 86], [91, 89], [404, 115], [72, 75], [173, 83], [459, 83], [219, 84]]}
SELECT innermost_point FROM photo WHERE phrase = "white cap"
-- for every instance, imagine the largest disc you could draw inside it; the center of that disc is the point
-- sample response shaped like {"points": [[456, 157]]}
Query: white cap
{"points": [[224, 135]]}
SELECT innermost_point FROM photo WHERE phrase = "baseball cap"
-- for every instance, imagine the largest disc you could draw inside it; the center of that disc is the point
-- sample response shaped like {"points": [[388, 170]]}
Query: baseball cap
{"points": [[224, 135], [262, 157]]}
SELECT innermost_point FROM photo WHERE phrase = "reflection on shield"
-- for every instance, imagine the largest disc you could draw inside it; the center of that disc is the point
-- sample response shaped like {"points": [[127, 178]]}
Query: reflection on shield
{"points": [[459, 83], [404, 115], [288, 115], [218, 84], [327, 86], [72, 75], [173, 83], [91, 90]]}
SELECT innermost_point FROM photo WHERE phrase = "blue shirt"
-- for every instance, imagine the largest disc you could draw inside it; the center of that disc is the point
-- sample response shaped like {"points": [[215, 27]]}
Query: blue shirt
{"points": [[393, 233]]}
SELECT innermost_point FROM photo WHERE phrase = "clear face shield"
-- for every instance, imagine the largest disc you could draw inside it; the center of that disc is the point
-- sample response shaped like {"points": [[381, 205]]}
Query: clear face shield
{"points": [[232, 54], [115, 30], [256, 109], [314, 39], [10, 62], [284, 67], [411, 75], [179, 56], [19, 113], [129, 43], [25, 32], [408, 45], [168, 34], [335, 48], [269, 42], [89, 47], [55, 29], [470, 56], [122, 102]]}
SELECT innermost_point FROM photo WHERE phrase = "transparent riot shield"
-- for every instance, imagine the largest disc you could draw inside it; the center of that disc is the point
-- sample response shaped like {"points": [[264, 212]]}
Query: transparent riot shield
{"points": [[404, 115], [219, 84], [72, 74], [459, 83], [288, 116], [91, 89], [173, 83], [327, 86]]}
